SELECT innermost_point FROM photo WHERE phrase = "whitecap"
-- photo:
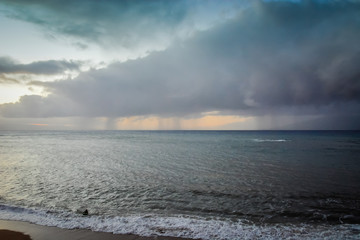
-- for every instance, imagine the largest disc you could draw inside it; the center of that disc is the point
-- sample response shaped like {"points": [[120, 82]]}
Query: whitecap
{"points": [[270, 140], [177, 226]]}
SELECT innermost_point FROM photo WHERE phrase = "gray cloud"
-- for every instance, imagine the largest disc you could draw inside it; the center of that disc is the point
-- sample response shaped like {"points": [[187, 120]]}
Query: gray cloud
{"points": [[139, 25], [108, 23], [50, 67], [33, 106], [274, 58]]}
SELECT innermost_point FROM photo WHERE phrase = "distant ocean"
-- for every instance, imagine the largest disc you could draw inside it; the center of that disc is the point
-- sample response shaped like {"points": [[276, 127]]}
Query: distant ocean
{"points": [[195, 184]]}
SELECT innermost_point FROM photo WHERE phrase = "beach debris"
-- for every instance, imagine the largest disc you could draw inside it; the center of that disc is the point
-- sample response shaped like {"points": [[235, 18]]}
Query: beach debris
{"points": [[86, 212]]}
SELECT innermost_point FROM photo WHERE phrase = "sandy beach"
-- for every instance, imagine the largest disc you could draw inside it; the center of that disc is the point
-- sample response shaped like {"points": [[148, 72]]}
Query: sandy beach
{"points": [[16, 230]]}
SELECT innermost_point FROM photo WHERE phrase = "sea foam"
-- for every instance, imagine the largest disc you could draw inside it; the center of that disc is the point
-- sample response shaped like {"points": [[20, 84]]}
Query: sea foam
{"points": [[177, 226], [270, 140]]}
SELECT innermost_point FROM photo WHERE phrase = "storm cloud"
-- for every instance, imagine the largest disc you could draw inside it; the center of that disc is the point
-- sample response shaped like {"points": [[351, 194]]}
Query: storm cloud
{"points": [[50, 67], [273, 57], [129, 24]]}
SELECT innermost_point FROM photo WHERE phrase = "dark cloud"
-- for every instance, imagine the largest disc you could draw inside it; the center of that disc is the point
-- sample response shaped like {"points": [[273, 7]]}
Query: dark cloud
{"points": [[137, 25], [109, 23], [274, 58], [50, 67]]}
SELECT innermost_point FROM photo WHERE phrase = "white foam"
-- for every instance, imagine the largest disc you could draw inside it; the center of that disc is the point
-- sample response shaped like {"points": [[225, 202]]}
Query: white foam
{"points": [[177, 226], [270, 140]]}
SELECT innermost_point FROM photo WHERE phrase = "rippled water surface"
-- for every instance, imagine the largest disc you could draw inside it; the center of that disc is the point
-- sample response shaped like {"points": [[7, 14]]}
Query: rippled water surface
{"points": [[302, 184]]}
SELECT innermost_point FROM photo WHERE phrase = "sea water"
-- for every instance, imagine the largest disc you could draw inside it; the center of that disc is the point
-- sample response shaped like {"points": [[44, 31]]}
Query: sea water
{"points": [[195, 184]]}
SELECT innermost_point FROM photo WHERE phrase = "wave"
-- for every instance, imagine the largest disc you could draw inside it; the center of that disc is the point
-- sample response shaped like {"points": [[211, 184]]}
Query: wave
{"points": [[178, 225], [270, 140]]}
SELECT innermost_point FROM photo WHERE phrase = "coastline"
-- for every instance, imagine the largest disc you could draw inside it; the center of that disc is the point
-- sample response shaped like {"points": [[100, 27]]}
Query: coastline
{"points": [[38, 232]]}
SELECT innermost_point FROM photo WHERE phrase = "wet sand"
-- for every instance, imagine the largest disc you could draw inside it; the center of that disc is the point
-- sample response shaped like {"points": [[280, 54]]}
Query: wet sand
{"points": [[17, 230], [11, 235]]}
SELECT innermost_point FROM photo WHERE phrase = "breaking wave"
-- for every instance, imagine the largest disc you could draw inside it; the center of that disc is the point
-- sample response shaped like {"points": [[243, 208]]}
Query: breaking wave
{"points": [[270, 140], [178, 225]]}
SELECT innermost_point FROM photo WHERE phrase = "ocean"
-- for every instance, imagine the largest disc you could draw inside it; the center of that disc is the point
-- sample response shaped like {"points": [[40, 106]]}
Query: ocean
{"points": [[194, 184]]}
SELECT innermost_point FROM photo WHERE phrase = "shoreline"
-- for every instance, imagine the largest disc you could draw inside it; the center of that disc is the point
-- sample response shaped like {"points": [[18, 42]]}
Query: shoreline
{"points": [[39, 232]]}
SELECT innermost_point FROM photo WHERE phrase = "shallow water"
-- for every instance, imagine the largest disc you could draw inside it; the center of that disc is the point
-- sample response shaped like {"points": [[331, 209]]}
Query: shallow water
{"points": [[208, 184]]}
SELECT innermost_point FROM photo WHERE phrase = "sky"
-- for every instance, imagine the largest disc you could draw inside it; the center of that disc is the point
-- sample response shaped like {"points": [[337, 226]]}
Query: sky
{"points": [[182, 65]]}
